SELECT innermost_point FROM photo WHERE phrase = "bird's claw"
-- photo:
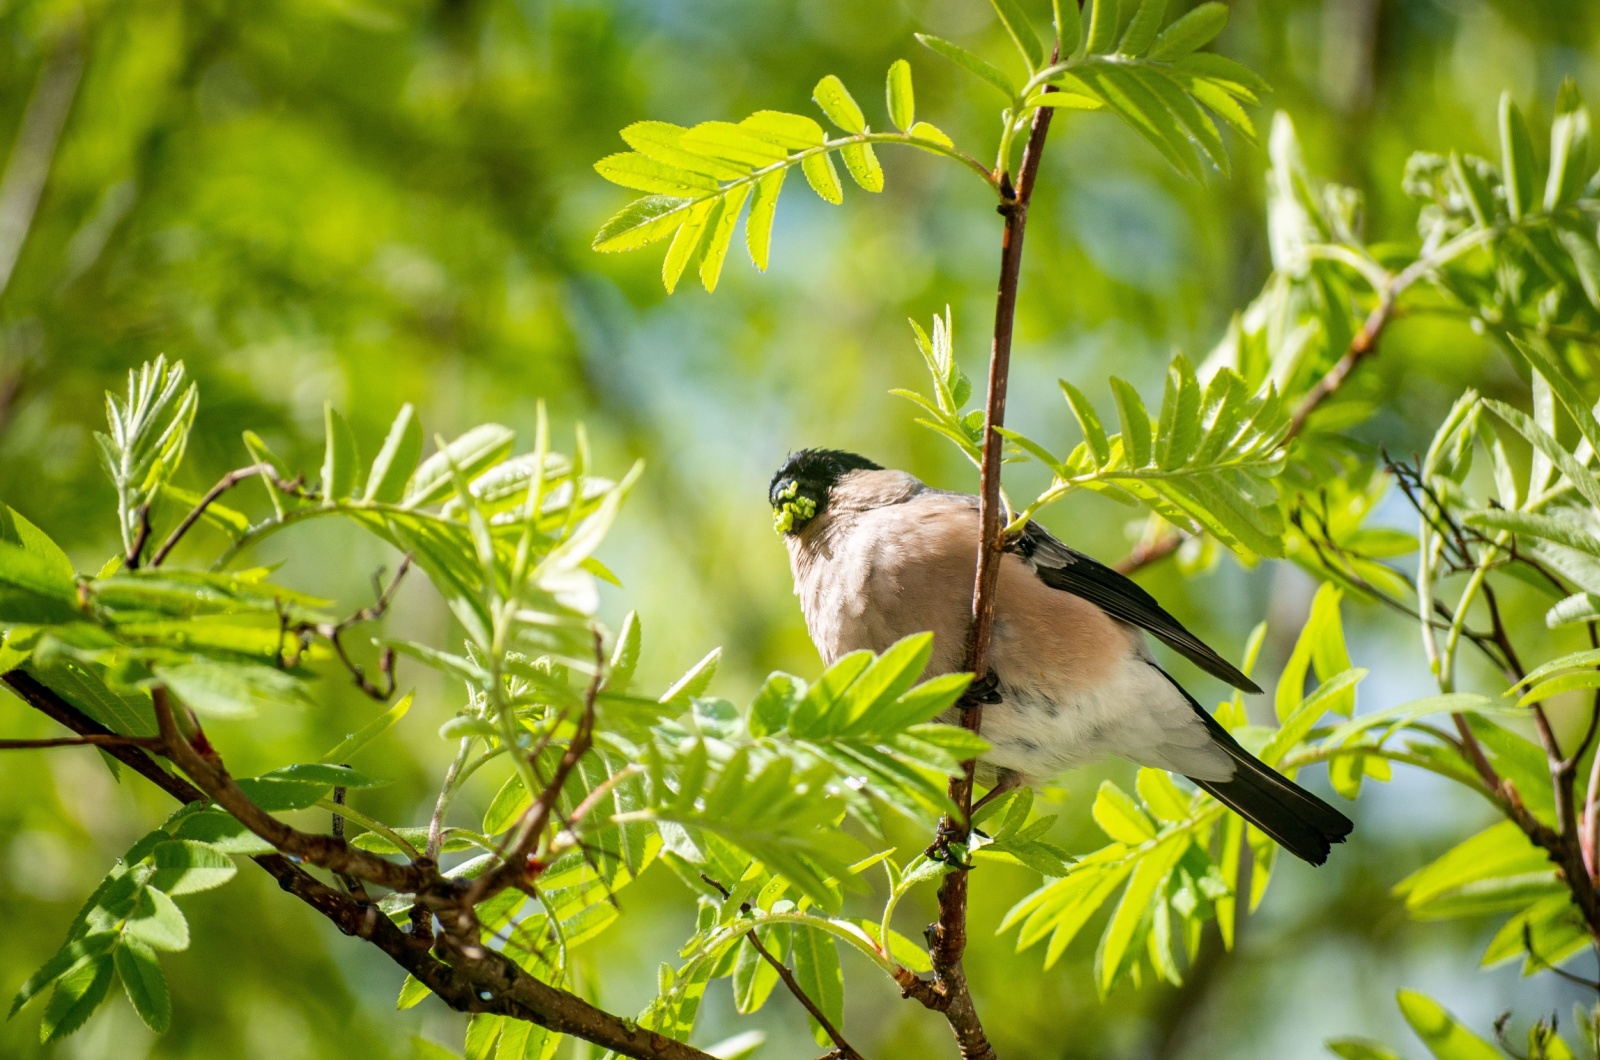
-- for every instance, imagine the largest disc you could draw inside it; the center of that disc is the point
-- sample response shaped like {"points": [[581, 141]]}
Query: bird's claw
{"points": [[982, 692]]}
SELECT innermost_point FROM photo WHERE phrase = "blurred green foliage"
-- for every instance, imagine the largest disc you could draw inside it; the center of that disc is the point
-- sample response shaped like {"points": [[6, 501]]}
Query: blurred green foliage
{"points": [[309, 200]]}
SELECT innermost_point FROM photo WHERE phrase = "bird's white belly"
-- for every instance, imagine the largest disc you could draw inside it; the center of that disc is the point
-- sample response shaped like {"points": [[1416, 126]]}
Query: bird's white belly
{"points": [[1136, 714]]}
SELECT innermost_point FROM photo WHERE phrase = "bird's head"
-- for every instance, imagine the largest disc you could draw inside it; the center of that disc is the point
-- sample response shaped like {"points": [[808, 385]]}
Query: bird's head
{"points": [[800, 488]]}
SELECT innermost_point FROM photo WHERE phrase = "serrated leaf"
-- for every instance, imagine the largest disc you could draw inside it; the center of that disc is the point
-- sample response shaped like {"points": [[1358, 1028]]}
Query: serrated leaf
{"points": [[816, 969], [76, 997], [145, 985], [1120, 817], [1020, 32], [823, 177], [719, 237], [758, 226], [629, 169], [839, 105], [1094, 435], [900, 96], [471, 454], [642, 222], [1135, 423], [392, 467], [1190, 33], [1104, 19], [980, 68], [184, 866], [1143, 27], [157, 922], [863, 166]]}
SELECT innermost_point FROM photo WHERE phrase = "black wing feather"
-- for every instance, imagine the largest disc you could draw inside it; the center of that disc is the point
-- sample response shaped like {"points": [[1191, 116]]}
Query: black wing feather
{"points": [[1069, 570]]}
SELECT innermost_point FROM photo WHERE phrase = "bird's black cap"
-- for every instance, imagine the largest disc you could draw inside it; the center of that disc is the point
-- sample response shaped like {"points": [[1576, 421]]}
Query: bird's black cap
{"points": [[799, 488]]}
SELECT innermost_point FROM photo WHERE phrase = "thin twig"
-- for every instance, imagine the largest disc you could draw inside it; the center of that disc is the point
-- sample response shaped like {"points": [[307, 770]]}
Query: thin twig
{"points": [[149, 743], [842, 1048], [136, 549], [224, 484], [332, 632]]}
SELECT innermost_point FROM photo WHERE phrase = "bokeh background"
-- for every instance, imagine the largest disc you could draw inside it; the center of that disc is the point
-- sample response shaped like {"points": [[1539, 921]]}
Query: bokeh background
{"points": [[376, 202]]}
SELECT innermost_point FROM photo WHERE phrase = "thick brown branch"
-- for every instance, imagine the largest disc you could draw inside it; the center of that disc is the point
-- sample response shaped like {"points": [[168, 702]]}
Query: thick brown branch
{"points": [[324, 851], [491, 983]]}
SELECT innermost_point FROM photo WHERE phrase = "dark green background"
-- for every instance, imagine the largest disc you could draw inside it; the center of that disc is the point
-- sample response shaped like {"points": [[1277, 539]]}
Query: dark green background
{"points": [[372, 203]]}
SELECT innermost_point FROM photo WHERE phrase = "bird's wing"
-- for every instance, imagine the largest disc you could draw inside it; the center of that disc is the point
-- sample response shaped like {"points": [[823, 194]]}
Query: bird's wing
{"points": [[1069, 570]]}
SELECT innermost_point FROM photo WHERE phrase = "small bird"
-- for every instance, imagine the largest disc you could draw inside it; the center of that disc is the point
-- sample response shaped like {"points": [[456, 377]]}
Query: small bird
{"points": [[877, 556]]}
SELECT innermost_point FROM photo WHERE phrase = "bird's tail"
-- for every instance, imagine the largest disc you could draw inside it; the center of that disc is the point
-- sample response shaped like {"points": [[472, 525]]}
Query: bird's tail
{"points": [[1300, 822]]}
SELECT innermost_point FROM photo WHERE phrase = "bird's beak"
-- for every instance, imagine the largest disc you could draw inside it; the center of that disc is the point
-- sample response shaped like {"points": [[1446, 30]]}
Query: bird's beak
{"points": [[790, 511]]}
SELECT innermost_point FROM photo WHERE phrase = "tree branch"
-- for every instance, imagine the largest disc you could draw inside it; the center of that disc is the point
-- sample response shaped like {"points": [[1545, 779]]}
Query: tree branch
{"points": [[224, 484], [491, 983], [843, 1049], [948, 937]]}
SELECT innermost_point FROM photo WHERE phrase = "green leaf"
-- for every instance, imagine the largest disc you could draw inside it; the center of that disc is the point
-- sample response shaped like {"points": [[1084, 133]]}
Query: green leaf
{"points": [[1135, 423], [1190, 33], [1360, 1049], [1069, 25], [473, 453], [839, 105], [1445, 1038], [392, 467], [1161, 796], [76, 954], [901, 98], [157, 922], [924, 131], [631, 169], [1143, 27], [1093, 433], [412, 993], [76, 997], [354, 743], [1120, 817], [1502, 850], [231, 690], [816, 969], [753, 976], [1021, 33], [758, 226], [721, 236], [338, 457], [145, 985], [218, 830], [184, 866], [1569, 149], [1103, 23], [686, 245], [1516, 159], [972, 64], [640, 223], [863, 166], [1143, 887], [37, 583], [823, 177]]}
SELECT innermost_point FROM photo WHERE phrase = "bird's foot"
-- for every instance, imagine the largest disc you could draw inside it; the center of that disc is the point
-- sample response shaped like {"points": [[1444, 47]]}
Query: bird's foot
{"points": [[950, 846], [1006, 781], [982, 692]]}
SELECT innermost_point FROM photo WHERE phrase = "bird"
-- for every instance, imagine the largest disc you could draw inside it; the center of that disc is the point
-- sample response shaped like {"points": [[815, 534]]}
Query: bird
{"points": [[877, 555]]}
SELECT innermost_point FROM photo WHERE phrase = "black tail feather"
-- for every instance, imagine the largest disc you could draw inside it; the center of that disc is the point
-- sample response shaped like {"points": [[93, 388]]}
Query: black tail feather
{"points": [[1297, 820]]}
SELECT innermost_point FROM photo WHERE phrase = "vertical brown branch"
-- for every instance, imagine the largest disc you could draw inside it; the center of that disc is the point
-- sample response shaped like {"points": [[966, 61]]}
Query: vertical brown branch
{"points": [[948, 937]]}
